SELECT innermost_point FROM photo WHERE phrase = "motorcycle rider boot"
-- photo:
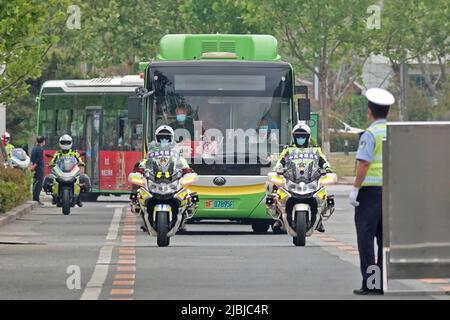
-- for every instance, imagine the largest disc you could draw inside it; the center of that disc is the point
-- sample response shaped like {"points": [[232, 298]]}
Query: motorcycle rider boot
{"points": [[320, 227], [182, 228], [79, 203]]}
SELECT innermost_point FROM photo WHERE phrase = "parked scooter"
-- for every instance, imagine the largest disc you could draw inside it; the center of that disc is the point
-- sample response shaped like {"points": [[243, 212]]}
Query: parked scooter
{"points": [[67, 183], [19, 159], [164, 201], [299, 199]]}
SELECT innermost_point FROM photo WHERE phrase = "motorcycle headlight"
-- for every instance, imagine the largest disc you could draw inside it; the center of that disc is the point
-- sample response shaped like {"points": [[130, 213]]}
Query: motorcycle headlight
{"points": [[174, 185], [312, 186], [152, 186], [163, 188], [302, 187]]}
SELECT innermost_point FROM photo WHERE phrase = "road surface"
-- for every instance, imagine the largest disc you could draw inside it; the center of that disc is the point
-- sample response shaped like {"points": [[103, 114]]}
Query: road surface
{"points": [[98, 252]]}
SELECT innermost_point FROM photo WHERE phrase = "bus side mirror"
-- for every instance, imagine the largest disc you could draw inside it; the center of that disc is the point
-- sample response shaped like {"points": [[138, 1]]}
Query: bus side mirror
{"points": [[134, 108], [304, 109]]}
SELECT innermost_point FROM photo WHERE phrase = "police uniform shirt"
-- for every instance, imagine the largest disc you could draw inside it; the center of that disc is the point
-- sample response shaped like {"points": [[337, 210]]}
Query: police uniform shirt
{"points": [[367, 145]]}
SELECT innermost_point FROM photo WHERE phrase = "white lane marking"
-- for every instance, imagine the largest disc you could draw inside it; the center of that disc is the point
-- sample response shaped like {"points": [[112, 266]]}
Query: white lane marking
{"points": [[94, 286], [105, 255], [115, 223], [114, 206]]}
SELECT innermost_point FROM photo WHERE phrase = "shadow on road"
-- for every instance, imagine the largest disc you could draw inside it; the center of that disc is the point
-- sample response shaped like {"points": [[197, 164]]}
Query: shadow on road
{"points": [[222, 233]]}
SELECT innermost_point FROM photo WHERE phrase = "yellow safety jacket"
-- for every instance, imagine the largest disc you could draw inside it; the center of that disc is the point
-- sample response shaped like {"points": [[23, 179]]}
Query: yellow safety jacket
{"points": [[314, 151], [374, 176], [68, 153], [9, 147]]}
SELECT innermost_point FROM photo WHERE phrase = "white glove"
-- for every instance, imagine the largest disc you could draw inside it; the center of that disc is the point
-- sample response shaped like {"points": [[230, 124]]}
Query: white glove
{"points": [[353, 196]]}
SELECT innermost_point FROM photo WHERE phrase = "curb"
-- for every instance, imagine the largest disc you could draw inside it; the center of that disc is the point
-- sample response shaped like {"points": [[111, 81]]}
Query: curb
{"points": [[16, 213]]}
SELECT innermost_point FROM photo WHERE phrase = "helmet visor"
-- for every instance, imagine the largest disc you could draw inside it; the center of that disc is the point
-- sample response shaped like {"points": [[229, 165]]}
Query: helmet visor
{"points": [[163, 137], [65, 143], [301, 135]]}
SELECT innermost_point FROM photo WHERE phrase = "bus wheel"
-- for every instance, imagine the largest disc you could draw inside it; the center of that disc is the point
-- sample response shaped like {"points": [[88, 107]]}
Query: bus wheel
{"points": [[260, 226], [89, 197]]}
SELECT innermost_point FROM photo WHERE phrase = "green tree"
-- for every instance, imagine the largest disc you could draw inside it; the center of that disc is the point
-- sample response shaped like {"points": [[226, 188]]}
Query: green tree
{"points": [[28, 29], [414, 32], [113, 32], [320, 35], [213, 16]]}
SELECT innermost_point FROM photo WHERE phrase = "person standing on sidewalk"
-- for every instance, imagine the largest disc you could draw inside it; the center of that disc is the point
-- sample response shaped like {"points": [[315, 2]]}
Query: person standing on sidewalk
{"points": [[366, 195], [37, 164]]}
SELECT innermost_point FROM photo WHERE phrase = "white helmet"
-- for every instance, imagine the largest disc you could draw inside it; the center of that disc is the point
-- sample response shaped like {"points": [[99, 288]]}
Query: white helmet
{"points": [[164, 134], [301, 135], [65, 142]]}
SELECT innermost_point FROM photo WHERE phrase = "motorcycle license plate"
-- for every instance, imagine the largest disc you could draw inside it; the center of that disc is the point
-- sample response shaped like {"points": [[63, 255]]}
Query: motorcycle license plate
{"points": [[219, 204]]}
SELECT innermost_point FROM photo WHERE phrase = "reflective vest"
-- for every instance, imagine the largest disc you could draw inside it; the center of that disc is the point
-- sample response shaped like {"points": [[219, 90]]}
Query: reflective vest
{"points": [[374, 176], [9, 147]]}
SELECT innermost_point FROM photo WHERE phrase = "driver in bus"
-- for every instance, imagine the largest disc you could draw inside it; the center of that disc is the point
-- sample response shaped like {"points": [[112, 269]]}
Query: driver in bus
{"points": [[182, 121], [301, 137]]}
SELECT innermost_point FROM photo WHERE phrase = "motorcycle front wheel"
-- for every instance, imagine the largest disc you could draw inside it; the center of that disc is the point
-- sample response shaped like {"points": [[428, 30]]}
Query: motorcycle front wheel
{"points": [[300, 228], [66, 201], [163, 228]]}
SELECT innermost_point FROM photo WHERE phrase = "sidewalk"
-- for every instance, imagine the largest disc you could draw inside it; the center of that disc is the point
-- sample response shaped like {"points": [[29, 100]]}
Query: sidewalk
{"points": [[16, 213]]}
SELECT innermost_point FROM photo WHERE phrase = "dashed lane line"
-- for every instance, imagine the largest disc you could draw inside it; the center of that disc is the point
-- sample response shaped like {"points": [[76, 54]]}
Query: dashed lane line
{"points": [[94, 286]]}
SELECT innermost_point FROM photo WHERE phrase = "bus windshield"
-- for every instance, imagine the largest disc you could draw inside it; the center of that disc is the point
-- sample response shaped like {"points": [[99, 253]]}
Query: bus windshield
{"points": [[67, 114], [230, 107]]}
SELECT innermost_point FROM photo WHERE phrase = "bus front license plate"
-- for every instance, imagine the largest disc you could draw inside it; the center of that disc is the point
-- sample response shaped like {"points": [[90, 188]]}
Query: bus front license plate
{"points": [[219, 204]]}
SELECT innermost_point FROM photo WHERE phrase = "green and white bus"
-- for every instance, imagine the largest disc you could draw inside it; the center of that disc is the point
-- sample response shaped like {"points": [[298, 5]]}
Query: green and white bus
{"points": [[229, 84], [95, 113]]}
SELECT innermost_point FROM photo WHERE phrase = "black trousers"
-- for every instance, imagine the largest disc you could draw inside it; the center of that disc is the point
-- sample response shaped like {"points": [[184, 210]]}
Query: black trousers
{"points": [[368, 221], [37, 185]]}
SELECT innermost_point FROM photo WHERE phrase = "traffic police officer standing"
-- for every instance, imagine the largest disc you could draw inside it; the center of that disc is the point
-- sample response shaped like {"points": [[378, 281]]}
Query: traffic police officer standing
{"points": [[366, 195]]}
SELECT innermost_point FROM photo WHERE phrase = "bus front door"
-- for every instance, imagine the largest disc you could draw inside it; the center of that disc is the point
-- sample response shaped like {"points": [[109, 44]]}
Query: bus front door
{"points": [[92, 147]]}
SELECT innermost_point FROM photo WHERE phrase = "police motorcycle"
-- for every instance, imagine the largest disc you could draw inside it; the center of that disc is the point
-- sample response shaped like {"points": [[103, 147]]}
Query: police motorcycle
{"points": [[67, 183], [164, 202], [19, 159], [299, 199]]}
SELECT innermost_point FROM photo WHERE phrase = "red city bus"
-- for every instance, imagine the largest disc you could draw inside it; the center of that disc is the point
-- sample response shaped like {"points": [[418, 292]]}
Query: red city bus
{"points": [[95, 114]]}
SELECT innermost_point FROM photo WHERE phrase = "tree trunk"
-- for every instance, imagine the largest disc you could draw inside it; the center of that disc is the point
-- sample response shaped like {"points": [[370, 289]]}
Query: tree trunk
{"points": [[323, 103], [402, 112]]}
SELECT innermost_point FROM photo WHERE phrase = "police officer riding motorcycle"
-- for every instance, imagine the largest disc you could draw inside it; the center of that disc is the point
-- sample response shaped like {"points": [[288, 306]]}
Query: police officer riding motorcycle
{"points": [[65, 182], [160, 195], [299, 177], [15, 157]]}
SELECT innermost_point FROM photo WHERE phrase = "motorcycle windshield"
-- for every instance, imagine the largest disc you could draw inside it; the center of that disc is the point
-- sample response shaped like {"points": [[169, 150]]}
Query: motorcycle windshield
{"points": [[164, 166], [19, 154], [66, 164], [300, 171]]}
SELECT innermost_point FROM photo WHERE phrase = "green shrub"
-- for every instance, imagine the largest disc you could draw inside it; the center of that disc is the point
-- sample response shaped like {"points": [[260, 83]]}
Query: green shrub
{"points": [[14, 188]]}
